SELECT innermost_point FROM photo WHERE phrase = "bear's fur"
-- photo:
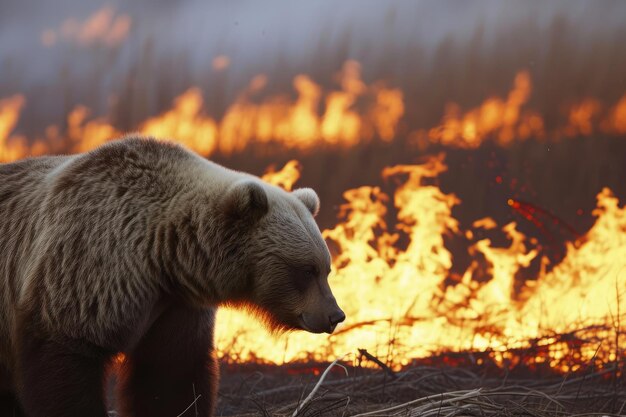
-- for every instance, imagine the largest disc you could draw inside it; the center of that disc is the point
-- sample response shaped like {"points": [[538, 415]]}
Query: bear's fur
{"points": [[130, 248]]}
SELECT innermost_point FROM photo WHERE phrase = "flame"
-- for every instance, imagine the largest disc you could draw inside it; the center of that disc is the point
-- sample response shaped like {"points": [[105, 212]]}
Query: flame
{"points": [[506, 120], [286, 177], [581, 117], [400, 268], [88, 134], [503, 120], [391, 252], [615, 123], [354, 114], [279, 120], [11, 148], [102, 27], [400, 274], [185, 123]]}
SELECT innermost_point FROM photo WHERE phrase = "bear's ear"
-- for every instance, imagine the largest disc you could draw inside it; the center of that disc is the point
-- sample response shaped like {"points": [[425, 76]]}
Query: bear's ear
{"points": [[247, 200], [309, 198]]}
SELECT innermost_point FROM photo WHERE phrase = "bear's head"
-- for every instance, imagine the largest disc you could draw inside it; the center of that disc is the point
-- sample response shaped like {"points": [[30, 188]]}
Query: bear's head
{"points": [[283, 256]]}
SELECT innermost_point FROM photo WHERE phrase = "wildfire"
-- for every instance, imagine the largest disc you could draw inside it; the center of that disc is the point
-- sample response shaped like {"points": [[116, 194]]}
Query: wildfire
{"points": [[354, 114], [281, 121], [11, 148], [504, 120], [616, 121], [400, 270], [411, 312], [507, 120], [284, 178]]}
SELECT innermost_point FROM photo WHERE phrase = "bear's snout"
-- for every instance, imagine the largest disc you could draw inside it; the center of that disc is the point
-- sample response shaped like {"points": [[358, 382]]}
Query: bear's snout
{"points": [[324, 320], [335, 318]]}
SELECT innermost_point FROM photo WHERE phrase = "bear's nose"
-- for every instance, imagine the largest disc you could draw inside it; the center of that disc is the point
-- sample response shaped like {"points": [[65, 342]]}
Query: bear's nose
{"points": [[336, 317]]}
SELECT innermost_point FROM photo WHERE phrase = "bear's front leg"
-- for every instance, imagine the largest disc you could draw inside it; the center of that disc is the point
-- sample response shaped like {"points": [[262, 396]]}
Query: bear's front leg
{"points": [[8, 403], [9, 406], [58, 381], [173, 367]]}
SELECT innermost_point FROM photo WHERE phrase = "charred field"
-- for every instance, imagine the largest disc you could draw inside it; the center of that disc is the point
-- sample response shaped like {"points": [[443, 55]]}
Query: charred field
{"points": [[421, 390]]}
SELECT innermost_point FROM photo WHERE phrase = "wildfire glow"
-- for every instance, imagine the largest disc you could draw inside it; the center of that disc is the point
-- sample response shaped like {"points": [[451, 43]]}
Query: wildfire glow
{"points": [[353, 114], [504, 120], [282, 121], [11, 148], [399, 307], [284, 178], [102, 27], [401, 272]]}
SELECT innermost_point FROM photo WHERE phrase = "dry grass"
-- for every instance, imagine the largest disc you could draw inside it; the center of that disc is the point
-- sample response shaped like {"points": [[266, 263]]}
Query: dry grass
{"points": [[421, 391]]}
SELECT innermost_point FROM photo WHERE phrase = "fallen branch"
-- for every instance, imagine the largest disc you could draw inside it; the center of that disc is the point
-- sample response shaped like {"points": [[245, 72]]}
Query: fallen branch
{"points": [[319, 383]]}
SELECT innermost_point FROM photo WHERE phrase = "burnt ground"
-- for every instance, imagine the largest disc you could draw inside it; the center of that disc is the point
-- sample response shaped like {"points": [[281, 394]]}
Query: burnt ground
{"points": [[420, 390], [525, 381], [443, 385]]}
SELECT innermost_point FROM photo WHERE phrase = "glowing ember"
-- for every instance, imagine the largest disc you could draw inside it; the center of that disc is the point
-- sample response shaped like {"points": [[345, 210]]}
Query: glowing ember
{"points": [[399, 307]]}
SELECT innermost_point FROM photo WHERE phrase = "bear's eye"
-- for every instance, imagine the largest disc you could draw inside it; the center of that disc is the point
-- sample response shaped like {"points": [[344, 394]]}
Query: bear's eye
{"points": [[310, 271], [302, 277]]}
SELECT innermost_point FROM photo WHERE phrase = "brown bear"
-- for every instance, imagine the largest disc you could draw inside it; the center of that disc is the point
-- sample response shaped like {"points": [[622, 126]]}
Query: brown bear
{"points": [[130, 249]]}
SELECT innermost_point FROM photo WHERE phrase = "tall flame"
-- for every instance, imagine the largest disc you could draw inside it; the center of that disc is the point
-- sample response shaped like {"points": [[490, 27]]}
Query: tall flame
{"points": [[399, 305]]}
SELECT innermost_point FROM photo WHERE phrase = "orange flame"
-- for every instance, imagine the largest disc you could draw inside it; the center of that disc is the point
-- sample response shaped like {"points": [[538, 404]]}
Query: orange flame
{"points": [[284, 178], [185, 123], [420, 312], [11, 148], [581, 117], [504, 120], [320, 119], [615, 123], [290, 124], [410, 311]]}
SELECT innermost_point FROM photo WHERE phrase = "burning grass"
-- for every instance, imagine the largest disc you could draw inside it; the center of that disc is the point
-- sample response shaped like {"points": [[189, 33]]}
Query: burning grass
{"points": [[356, 113], [468, 383], [392, 274]]}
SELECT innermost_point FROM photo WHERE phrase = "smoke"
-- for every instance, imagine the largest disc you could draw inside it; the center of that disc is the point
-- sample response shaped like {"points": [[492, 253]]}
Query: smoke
{"points": [[171, 46]]}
